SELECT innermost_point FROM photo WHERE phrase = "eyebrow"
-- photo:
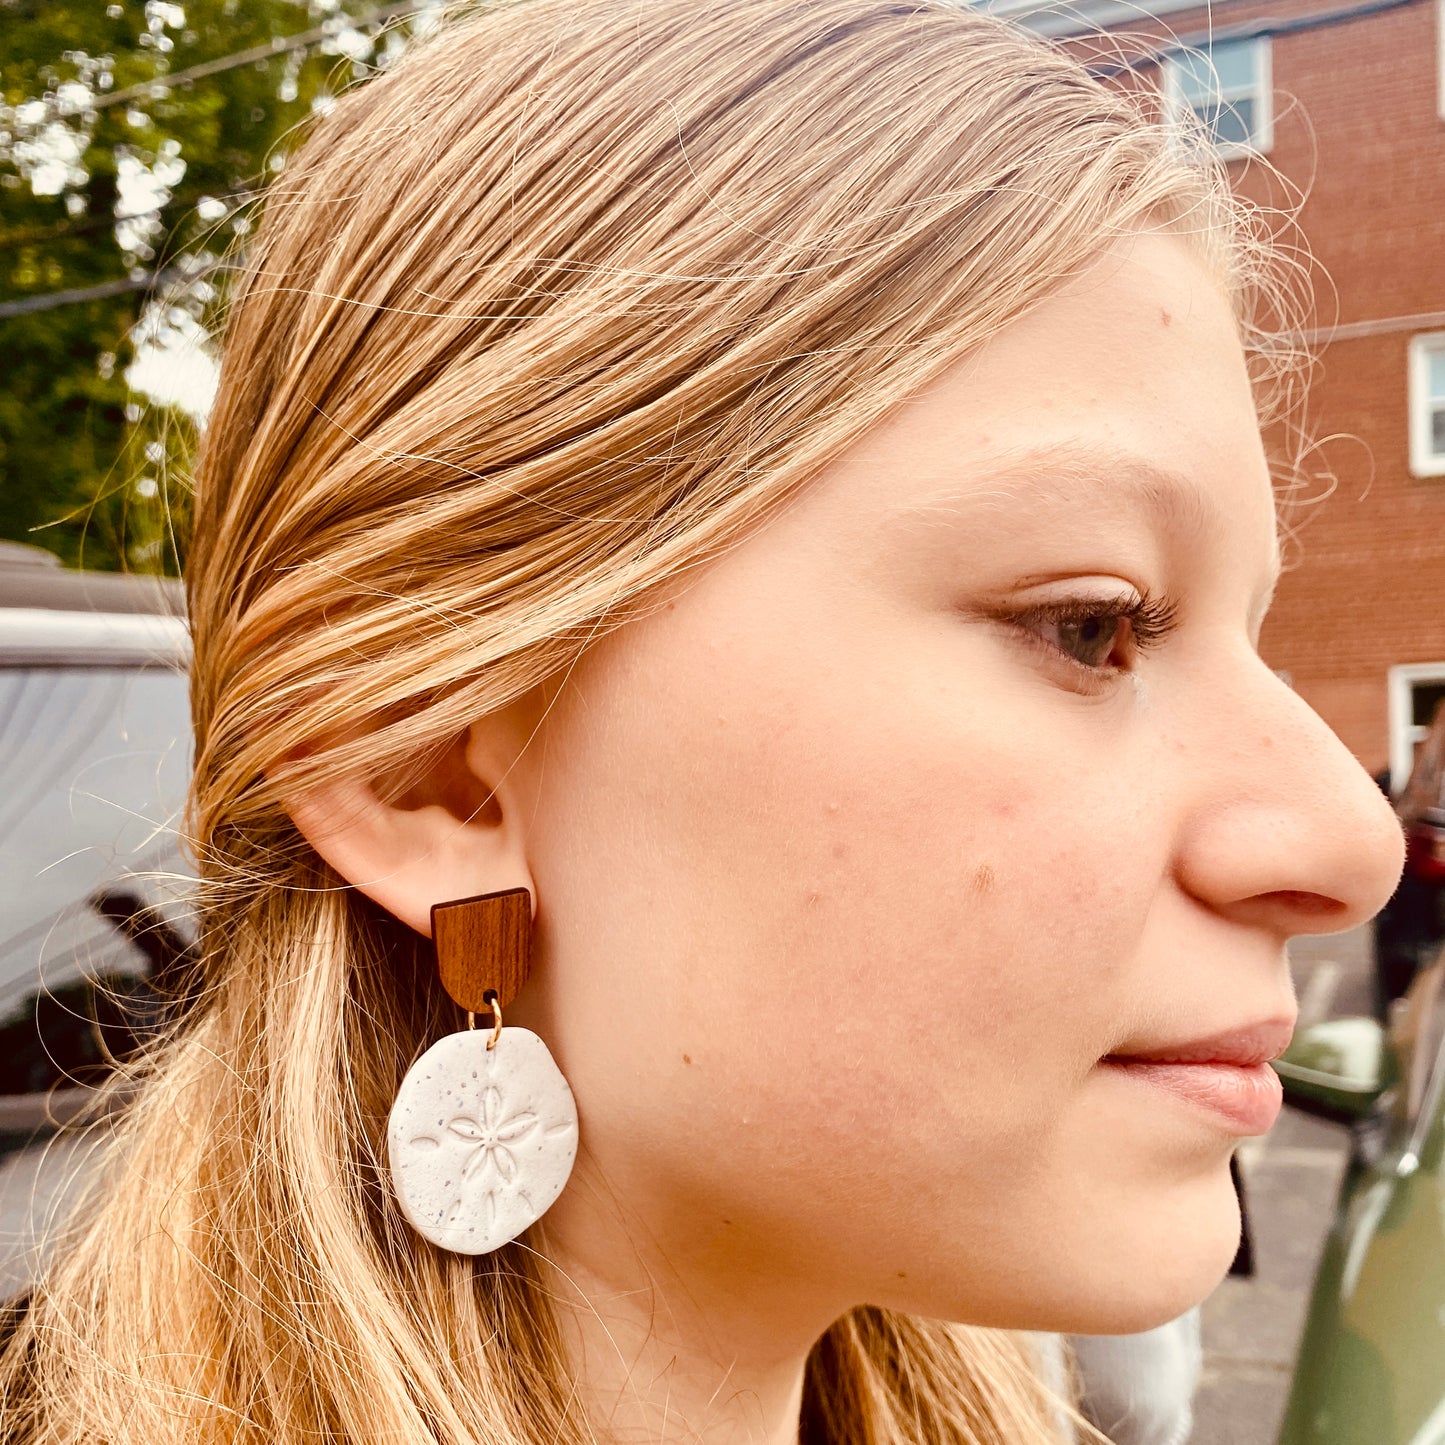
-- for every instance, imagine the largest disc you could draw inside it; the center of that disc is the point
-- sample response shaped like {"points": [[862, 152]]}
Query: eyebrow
{"points": [[1068, 473]]}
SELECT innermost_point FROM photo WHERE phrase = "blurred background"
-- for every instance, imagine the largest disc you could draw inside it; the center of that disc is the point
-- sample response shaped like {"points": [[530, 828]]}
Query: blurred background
{"points": [[135, 139]]}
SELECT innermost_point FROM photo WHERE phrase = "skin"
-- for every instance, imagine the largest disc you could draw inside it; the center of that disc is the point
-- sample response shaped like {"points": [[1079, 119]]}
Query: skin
{"points": [[848, 877]]}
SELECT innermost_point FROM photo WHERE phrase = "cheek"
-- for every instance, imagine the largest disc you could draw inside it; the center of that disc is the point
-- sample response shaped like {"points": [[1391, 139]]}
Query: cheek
{"points": [[837, 911]]}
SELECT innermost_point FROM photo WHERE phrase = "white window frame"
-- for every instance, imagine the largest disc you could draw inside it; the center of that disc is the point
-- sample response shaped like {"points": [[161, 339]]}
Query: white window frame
{"points": [[1424, 460], [1440, 58], [1405, 733], [1261, 91]]}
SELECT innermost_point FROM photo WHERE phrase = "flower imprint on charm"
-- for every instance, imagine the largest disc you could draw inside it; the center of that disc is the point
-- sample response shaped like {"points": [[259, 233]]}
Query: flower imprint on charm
{"points": [[481, 1140], [488, 1162]]}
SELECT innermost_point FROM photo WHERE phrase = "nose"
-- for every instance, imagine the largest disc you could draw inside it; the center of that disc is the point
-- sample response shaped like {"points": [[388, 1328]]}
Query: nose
{"points": [[1289, 833]]}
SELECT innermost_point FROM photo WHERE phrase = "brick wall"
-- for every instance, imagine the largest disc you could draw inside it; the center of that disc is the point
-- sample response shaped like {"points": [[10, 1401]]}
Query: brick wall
{"points": [[1357, 128]]}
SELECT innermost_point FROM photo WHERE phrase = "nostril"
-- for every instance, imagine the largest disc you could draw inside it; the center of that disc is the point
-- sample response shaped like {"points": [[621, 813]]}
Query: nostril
{"points": [[1316, 905]]}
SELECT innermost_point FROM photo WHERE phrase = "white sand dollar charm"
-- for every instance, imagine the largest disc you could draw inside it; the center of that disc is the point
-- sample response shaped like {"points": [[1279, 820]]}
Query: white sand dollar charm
{"points": [[481, 1141]]}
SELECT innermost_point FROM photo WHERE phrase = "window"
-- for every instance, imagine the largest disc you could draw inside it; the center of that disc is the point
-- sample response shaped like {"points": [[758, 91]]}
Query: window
{"points": [[1227, 86], [1427, 405], [1415, 690]]}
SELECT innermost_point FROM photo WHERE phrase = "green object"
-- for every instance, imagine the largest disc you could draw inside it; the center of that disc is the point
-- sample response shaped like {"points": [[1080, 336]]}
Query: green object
{"points": [[1340, 1067], [1371, 1365]]}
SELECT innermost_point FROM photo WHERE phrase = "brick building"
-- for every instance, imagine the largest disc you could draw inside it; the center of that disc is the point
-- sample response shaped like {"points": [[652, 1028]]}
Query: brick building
{"points": [[1346, 103]]}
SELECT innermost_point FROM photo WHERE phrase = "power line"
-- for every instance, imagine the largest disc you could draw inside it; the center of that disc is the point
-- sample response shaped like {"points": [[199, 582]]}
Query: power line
{"points": [[28, 305], [99, 221], [277, 45], [1251, 30]]}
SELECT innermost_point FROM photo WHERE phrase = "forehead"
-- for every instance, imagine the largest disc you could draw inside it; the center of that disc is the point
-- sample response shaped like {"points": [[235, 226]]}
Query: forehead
{"points": [[1082, 472], [1121, 401]]}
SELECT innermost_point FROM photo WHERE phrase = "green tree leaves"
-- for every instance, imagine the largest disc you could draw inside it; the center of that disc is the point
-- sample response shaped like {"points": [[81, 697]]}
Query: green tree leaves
{"points": [[133, 137]]}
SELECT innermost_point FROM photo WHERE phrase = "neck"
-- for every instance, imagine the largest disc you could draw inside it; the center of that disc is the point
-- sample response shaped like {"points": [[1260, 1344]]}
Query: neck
{"points": [[707, 1352]]}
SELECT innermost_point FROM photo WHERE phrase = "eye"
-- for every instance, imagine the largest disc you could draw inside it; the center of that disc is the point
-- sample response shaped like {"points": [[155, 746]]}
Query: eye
{"points": [[1101, 639], [1101, 636]]}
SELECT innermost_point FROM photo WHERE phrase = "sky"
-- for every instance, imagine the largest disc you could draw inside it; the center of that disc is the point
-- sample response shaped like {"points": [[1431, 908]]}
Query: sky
{"points": [[176, 369]]}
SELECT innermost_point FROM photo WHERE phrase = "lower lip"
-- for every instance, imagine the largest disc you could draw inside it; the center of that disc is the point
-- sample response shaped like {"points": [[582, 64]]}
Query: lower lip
{"points": [[1247, 1098]]}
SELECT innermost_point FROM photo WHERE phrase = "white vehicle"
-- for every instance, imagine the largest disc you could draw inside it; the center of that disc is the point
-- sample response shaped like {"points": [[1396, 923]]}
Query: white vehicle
{"points": [[95, 747]]}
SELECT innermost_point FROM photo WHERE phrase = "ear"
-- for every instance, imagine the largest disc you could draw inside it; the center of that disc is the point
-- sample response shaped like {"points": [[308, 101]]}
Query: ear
{"points": [[454, 831]]}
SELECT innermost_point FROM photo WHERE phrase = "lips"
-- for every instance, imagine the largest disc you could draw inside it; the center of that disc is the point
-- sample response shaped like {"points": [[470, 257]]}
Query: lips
{"points": [[1245, 1046], [1227, 1075]]}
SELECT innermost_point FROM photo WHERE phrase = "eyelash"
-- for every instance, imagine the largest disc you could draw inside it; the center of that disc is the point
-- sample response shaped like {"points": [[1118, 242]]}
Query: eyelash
{"points": [[1151, 619]]}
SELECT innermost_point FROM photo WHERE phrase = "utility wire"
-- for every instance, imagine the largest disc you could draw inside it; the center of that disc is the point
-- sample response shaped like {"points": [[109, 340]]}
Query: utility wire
{"points": [[277, 45], [1250, 30], [29, 305], [91, 221]]}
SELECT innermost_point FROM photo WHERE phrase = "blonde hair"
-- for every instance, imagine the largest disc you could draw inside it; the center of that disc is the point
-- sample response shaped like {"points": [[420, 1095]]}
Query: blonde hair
{"points": [[557, 308]]}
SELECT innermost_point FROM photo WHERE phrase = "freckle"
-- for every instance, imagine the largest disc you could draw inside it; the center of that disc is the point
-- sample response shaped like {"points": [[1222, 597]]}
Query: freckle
{"points": [[687, 1058], [983, 879], [1165, 317], [902, 1274], [727, 1221]]}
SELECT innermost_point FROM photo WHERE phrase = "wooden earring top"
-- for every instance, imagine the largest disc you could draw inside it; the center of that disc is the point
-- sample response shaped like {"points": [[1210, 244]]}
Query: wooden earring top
{"points": [[484, 945]]}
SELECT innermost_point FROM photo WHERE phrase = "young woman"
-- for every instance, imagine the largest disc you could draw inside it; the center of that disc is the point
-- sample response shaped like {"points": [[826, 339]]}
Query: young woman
{"points": [[776, 487]]}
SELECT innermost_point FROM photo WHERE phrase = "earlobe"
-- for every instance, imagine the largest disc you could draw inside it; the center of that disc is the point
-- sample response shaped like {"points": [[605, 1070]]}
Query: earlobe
{"points": [[453, 830]]}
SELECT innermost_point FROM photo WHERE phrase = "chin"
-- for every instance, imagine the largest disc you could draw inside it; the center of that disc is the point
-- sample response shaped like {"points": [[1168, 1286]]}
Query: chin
{"points": [[1152, 1283], [1142, 1309], [1145, 1266]]}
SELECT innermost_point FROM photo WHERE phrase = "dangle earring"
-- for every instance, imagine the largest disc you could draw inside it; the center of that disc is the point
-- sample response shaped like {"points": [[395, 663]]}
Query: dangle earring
{"points": [[483, 1132]]}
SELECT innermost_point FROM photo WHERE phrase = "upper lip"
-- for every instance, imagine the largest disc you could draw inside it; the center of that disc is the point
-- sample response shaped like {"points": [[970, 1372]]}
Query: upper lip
{"points": [[1245, 1045]]}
